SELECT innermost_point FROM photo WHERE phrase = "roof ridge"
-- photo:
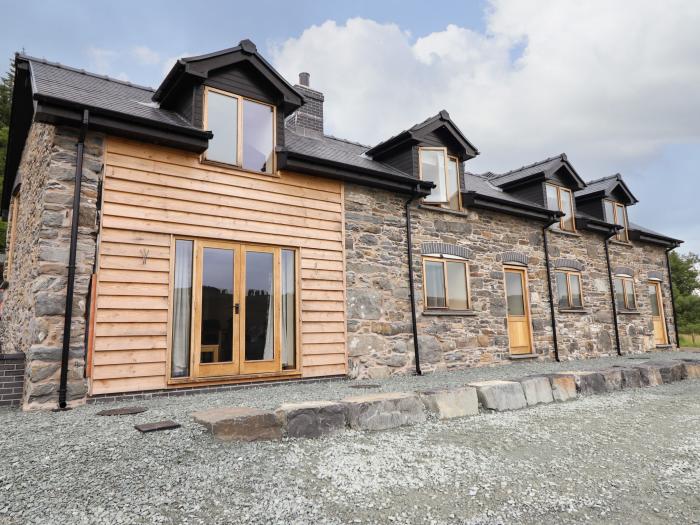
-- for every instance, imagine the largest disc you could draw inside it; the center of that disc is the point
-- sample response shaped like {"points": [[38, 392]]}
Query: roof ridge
{"points": [[347, 141], [561, 156], [83, 72], [609, 177]]}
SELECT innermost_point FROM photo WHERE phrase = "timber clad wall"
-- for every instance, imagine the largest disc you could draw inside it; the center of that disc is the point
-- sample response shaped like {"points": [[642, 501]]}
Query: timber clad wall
{"points": [[152, 193]]}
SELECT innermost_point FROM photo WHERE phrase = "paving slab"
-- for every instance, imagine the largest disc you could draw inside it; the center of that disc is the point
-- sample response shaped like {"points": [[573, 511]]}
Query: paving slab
{"points": [[123, 411], [156, 426], [563, 387], [588, 382], [384, 411], [537, 389], [613, 379], [500, 395], [240, 424], [312, 419], [451, 402]]}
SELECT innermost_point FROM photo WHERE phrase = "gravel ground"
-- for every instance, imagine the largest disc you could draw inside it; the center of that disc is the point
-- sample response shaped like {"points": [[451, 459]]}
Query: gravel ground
{"points": [[631, 457]]}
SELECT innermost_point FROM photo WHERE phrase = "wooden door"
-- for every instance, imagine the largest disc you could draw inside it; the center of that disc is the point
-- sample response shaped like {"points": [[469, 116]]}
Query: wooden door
{"points": [[519, 325], [657, 313]]}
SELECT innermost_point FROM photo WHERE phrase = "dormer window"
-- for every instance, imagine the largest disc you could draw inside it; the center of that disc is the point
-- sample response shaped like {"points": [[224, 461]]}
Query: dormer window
{"points": [[616, 213], [561, 199], [243, 131], [441, 169]]}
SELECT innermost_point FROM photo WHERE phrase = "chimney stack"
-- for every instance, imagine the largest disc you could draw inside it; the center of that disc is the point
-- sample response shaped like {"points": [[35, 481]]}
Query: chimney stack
{"points": [[308, 119]]}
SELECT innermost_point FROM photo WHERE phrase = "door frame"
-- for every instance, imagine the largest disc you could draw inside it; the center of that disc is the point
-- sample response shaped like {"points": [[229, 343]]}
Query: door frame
{"points": [[662, 313], [522, 270], [239, 377]]}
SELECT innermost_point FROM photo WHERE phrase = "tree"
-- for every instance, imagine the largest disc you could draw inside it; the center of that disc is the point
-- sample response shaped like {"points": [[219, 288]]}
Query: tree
{"points": [[684, 269], [6, 85]]}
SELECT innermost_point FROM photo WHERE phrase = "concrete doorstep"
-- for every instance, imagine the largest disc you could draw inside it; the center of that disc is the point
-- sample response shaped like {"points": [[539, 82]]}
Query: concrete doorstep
{"points": [[383, 411]]}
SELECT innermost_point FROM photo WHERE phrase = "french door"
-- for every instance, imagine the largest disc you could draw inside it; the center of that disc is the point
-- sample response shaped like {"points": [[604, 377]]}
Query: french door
{"points": [[241, 310], [657, 313], [518, 311]]}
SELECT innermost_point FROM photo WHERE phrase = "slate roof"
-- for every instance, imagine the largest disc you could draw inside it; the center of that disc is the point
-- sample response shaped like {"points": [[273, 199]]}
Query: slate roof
{"points": [[606, 185], [482, 185], [647, 231], [334, 149], [77, 86], [525, 171]]}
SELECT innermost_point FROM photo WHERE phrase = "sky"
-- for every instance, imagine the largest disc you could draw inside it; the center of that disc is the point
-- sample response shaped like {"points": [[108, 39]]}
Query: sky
{"points": [[614, 85]]}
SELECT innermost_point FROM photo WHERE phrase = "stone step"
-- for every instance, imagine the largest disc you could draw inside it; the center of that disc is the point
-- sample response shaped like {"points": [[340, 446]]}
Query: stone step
{"points": [[312, 419], [449, 403], [670, 371], [240, 424], [500, 395], [563, 387], [587, 382], [384, 411]]}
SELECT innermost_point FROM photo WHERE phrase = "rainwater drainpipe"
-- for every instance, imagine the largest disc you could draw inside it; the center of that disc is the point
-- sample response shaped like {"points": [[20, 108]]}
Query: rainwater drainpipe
{"points": [[612, 293], [412, 292], [673, 298], [75, 220], [545, 244]]}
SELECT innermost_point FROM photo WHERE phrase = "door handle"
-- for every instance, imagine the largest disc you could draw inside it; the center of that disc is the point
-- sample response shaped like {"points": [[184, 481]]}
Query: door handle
{"points": [[236, 308]]}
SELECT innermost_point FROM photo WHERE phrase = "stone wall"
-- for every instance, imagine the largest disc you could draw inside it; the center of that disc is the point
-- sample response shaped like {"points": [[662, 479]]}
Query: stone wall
{"points": [[588, 332], [380, 338], [33, 311], [637, 328]]}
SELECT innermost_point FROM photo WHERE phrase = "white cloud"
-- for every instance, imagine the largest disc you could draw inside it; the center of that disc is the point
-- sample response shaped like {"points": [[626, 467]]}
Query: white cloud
{"points": [[608, 82], [169, 62], [101, 59], [145, 55]]}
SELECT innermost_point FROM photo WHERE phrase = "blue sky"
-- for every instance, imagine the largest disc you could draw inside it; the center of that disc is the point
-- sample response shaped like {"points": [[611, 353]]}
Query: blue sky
{"points": [[524, 80]]}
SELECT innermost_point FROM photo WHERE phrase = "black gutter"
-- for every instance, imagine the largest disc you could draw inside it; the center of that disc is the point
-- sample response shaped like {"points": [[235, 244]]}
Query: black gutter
{"points": [[545, 244], [473, 199], [612, 292], [673, 297], [75, 220], [411, 289]]}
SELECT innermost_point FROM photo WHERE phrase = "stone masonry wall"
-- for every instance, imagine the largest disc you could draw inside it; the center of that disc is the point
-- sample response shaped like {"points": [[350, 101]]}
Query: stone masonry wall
{"points": [[33, 311], [588, 332], [637, 328], [380, 338]]}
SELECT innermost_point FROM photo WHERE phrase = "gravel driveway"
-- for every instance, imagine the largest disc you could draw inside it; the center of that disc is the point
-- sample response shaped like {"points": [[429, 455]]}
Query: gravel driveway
{"points": [[632, 456]]}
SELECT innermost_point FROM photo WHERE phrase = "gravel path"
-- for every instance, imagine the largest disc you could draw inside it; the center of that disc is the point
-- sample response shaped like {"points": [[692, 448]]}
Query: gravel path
{"points": [[626, 457]]}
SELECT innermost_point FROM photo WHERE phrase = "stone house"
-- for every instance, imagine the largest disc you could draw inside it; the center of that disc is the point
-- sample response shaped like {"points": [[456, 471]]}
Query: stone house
{"points": [[209, 233]]}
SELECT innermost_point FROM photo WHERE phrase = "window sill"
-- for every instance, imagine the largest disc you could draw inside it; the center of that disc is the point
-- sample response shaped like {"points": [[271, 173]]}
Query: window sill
{"points": [[518, 357], [621, 243], [573, 311], [664, 347], [430, 207], [217, 164], [564, 232], [456, 313], [629, 312]]}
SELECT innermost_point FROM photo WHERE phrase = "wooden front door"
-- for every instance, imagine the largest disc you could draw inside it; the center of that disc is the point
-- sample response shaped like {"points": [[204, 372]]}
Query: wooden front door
{"points": [[236, 310], [657, 313], [519, 325]]}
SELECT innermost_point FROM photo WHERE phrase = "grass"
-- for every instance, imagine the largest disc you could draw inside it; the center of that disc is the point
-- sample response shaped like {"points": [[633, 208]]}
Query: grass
{"points": [[687, 341]]}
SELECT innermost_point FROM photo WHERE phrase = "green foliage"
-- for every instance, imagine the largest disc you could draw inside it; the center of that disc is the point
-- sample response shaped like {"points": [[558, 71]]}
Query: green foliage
{"points": [[6, 84], [686, 285]]}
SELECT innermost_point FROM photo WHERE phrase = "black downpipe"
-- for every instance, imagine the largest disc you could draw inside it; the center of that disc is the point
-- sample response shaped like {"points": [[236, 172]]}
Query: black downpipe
{"points": [[410, 283], [612, 295], [673, 297], [549, 288], [75, 220]]}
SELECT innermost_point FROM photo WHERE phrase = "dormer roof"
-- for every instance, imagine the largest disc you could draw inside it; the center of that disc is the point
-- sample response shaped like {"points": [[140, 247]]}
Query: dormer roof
{"points": [[417, 133], [539, 171], [607, 187], [198, 68]]}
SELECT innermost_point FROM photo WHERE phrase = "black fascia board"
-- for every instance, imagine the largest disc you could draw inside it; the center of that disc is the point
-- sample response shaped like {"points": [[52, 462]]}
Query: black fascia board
{"points": [[580, 183], [525, 181], [477, 200], [292, 161], [662, 240], [600, 194], [596, 225]]}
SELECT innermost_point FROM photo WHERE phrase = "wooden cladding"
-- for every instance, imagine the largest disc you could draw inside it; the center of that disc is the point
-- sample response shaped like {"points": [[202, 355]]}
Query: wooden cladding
{"points": [[152, 194]]}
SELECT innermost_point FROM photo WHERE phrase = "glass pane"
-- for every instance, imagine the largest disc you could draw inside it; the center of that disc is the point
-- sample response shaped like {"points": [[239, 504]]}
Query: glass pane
{"points": [[182, 310], [288, 284], [621, 222], [259, 306], [433, 169], [514, 292], [629, 292], [457, 286], [567, 208], [217, 306], [653, 300], [575, 284], [562, 290], [434, 285], [453, 184], [552, 199], [222, 120], [609, 212], [257, 136], [619, 293]]}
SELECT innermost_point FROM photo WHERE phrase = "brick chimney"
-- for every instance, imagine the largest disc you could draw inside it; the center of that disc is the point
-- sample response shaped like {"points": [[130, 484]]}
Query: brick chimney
{"points": [[308, 119]]}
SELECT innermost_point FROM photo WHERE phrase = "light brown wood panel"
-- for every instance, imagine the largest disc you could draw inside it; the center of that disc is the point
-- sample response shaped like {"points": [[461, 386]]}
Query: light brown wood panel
{"points": [[152, 193]]}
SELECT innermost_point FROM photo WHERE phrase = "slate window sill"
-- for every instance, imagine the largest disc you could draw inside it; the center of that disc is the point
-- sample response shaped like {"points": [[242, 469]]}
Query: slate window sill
{"points": [[621, 243], [573, 311], [564, 232], [453, 313], [523, 356], [629, 312], [449, 211]]}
